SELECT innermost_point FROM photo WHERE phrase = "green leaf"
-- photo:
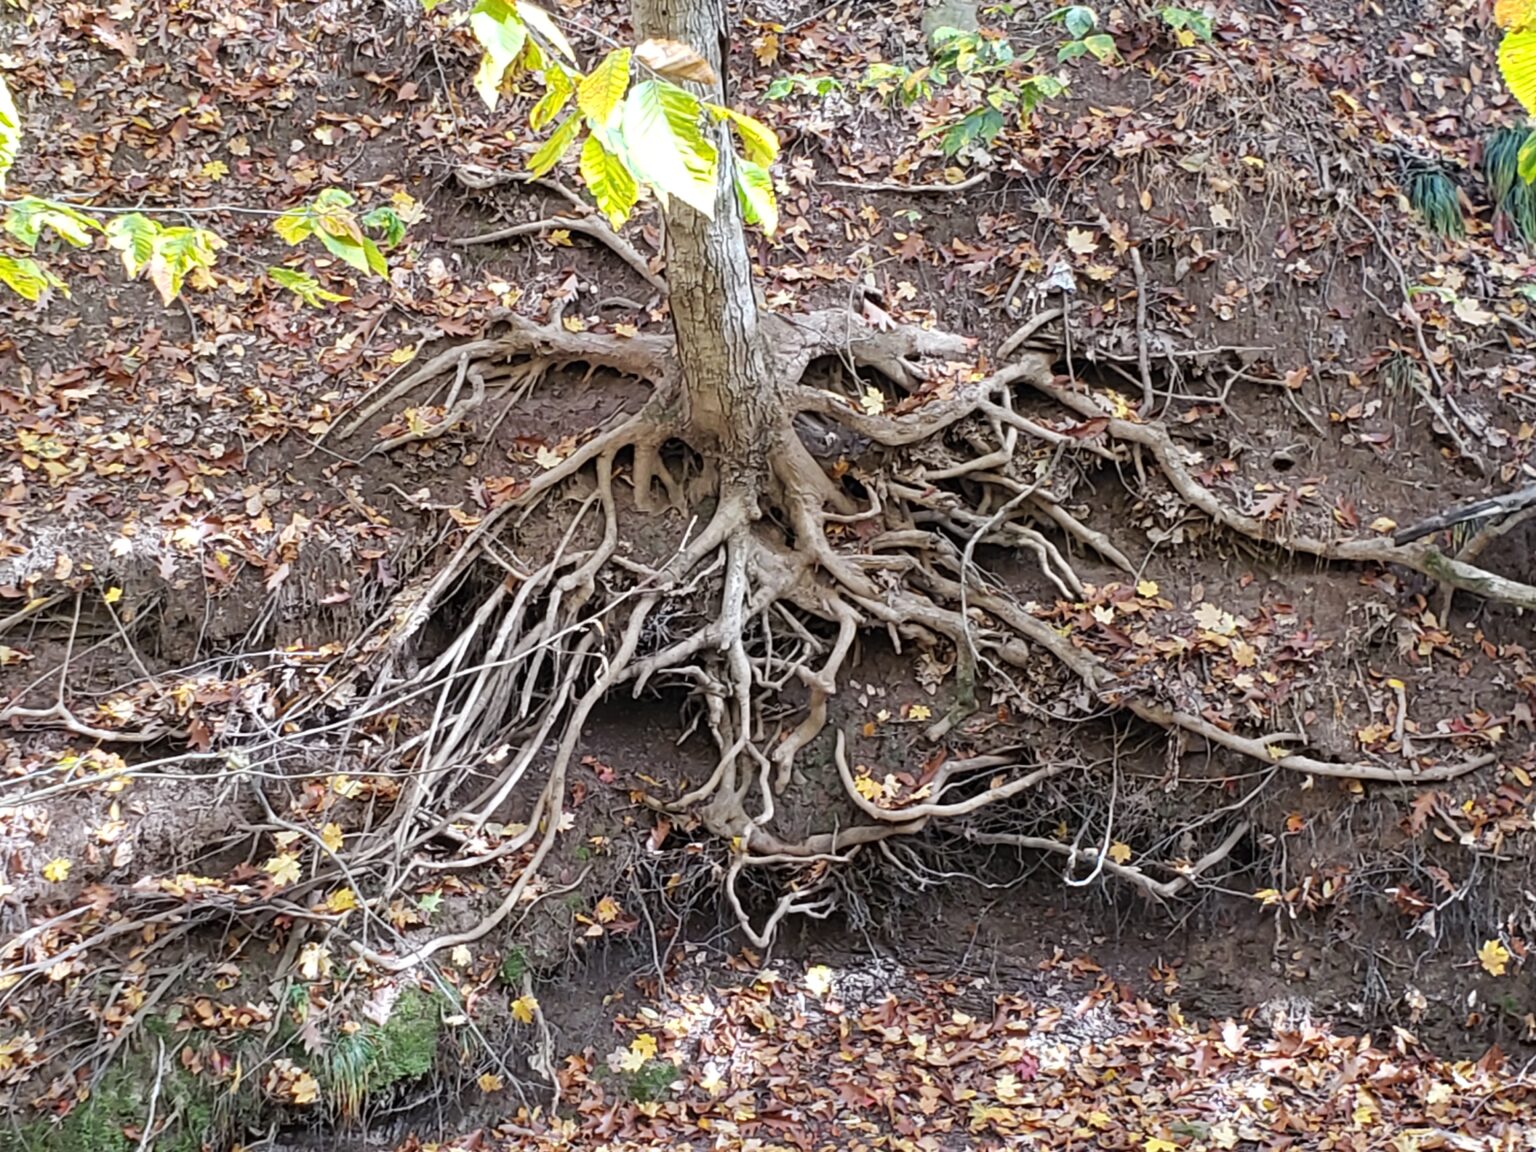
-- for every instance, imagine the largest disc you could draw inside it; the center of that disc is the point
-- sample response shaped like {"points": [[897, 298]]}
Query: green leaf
{"points": [[304, 286], [30, 215], [598, 95], [295, 225], [556, 146], [754, 191], [329, 199], [542, 23], [134, 236], [1101, 44], [329, 216], [501, 32], [609, 180], [760, 141], [1080, 20], [557, 90], [356, 250], [386, 220], [27, 278], [666, 147], [781, 87], [1527, 160], [179, 252], [1517, 64], [10, 135]]}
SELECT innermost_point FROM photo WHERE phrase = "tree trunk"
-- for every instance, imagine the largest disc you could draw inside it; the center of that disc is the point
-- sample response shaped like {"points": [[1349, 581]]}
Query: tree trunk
{"points": [[726, 366]]}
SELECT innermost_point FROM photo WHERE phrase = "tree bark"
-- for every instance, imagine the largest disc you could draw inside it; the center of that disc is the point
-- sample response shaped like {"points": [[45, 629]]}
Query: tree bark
{"points": [[730, 388]]}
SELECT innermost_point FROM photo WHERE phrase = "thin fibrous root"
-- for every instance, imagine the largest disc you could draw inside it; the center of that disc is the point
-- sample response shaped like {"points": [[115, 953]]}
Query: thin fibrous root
{"points": [[1186, 874]]}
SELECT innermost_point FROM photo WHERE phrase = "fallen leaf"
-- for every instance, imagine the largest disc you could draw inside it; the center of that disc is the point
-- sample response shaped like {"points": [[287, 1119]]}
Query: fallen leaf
{"points": [[524, 1008], [1494, 958], [331, 837], [818, 978], [1081, 241], [283, 868], [314, 962]]}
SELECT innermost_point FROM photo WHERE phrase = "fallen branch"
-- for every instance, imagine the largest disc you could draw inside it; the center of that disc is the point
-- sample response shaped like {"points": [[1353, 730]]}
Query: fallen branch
{"points": [[915, 189], [590, 226]]}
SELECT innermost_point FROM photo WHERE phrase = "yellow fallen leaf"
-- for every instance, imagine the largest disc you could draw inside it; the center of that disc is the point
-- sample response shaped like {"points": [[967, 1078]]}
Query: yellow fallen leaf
{"points": [[1082, 241], [641, 1049], [1158, 1144], [283, 868], [341, 900], [57, 871], [873, 401], [919, 712], [1494, 958], [489, 1082], [112, 595], [314, 962], [330, 836], [523, 1009], [868, 787], [1119, 852], [304, 1089], [1147, 588], [608, 910], [818, 978], [461, 956]]}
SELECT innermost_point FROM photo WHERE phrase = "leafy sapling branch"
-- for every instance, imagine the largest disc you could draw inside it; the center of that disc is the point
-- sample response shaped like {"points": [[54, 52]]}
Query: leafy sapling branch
{"points": [[987, 66], [172, 256], [1080, 21], [641, 131]]}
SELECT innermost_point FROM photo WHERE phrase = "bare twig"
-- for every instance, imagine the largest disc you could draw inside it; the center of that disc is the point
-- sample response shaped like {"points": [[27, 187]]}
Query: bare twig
{"points": [[892, 186]]}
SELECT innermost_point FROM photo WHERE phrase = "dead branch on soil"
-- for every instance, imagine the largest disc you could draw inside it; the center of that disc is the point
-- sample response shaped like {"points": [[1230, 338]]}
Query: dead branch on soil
{"points": [[591, 226]]}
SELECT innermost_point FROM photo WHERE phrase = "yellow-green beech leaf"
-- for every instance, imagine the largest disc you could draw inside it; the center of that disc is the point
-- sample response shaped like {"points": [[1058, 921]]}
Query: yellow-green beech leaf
{"points": [[1517, 63], [501, 32], [27, 278], [557, 90], [666, 147], [609, 180], [544, 24], [754, 190], [10, 131], [600, 92], [555, 147], [759, 140]]}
